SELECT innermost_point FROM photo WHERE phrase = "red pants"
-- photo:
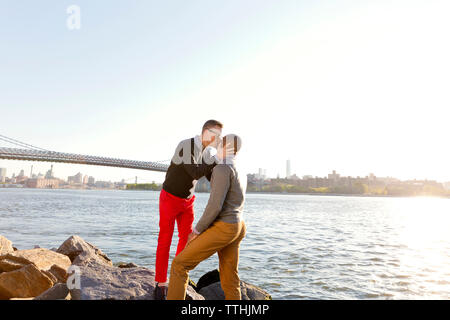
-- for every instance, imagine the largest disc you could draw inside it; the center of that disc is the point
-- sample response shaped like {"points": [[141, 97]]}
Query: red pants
{"points": [[171, 209]]}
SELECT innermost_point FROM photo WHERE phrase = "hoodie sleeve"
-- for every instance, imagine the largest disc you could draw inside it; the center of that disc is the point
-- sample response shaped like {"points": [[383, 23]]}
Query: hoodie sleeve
{"points": [[220, 184]]}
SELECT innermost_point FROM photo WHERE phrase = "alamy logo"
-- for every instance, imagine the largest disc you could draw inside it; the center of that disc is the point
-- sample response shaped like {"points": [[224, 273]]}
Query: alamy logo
{"points": [[74, 18], [74, 278]]}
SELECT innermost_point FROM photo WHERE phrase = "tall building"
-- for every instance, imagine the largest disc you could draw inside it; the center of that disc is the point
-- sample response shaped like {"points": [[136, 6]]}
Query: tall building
{"points": [[2, 174], [91, 180], [333, 176], [21, 178], [288, 169], [76, 179], [49, 174]]}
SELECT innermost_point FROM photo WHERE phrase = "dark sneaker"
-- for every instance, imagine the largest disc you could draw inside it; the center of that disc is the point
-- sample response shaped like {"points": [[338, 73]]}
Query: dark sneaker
{"points": [[160, 292]]}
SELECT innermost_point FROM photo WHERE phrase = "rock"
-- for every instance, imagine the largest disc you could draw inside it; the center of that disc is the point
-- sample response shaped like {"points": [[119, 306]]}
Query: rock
{"points": [[102, 282], [43, 259], [192, 294], [59, 273], [207, 279], [252, 292], [209, 287], [212, 292], [5, 246], [10, 264], [57, 292], [126, 265], [81, 252], [50, 276], [249, 292], [26, 282]]}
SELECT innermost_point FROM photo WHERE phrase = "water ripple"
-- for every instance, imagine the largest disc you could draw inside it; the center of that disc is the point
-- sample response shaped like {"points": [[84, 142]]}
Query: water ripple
{"points": [[297, 247]]}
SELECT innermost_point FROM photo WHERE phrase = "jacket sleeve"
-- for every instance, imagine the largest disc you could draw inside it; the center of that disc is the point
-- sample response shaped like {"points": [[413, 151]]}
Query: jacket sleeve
{"points": [[183, 157], [220, 184], [196, 171]]}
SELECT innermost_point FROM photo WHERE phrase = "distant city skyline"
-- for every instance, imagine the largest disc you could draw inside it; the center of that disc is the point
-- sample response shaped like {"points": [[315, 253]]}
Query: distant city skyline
{"points": [[261, 173]]}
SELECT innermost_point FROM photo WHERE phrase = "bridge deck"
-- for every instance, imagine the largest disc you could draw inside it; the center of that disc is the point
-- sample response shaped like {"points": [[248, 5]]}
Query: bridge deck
{"points": [[53, 156]]}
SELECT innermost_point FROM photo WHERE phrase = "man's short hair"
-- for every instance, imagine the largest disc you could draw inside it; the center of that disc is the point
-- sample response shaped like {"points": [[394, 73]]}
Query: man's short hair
{"points": [[233, 140], [211, 124]]}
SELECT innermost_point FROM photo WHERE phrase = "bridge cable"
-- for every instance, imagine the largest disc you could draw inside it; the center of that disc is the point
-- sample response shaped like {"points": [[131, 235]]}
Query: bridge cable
{"points": [[19, 143]]}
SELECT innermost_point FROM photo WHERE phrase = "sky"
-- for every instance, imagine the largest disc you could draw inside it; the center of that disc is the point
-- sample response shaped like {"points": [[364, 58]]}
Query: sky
{"points": [[354, 86]]}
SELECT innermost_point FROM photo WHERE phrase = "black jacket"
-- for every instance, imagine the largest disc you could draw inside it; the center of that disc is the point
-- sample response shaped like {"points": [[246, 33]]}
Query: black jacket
{"points": [[187, 166]]}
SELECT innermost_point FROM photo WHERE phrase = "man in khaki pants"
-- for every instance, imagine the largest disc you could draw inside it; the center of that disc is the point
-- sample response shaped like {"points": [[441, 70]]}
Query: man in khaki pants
{"points": [[220, 229]]}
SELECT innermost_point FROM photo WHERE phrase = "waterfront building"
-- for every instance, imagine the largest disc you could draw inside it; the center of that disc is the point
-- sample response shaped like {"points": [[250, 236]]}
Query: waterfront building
{"points": [[261, 175], [76, 179], [2, 175], [91, 181], [104, 185], [334, 176], [49, 174], [42, 183], [21, 178]]}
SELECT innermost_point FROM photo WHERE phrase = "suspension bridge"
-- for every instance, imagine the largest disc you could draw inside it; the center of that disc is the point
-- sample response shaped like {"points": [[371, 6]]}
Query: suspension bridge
{"points": [[27, 152]]}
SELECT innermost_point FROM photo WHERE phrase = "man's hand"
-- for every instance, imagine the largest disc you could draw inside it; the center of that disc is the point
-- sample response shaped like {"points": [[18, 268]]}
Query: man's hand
{"points": [[191, 237]]}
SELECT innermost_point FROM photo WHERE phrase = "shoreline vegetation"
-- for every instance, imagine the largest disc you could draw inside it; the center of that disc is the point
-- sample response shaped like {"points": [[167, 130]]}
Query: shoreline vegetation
{"points": [[144, 186], [358, 191]]}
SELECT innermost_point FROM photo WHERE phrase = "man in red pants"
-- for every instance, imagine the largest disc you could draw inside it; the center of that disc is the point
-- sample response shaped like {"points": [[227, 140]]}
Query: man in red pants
{"points": [[176, 202]]}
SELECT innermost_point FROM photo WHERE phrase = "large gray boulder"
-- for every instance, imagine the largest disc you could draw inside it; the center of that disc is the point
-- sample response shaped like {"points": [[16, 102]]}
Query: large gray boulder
{"points": [[57, 292], [81, 252], [5, 246], [102, 282], [248, 291], [210, 288]]}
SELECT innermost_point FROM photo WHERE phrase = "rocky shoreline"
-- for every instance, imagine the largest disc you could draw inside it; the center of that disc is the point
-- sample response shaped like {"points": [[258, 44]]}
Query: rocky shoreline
{"points": [[78, 270]]}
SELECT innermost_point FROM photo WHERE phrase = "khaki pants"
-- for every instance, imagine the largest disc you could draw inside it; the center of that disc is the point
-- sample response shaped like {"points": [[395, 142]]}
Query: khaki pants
{"points": [[223, 238]]}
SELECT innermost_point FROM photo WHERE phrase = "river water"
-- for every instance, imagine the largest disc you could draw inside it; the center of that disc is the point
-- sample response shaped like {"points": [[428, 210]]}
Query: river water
{"points": [[297, 246]]}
